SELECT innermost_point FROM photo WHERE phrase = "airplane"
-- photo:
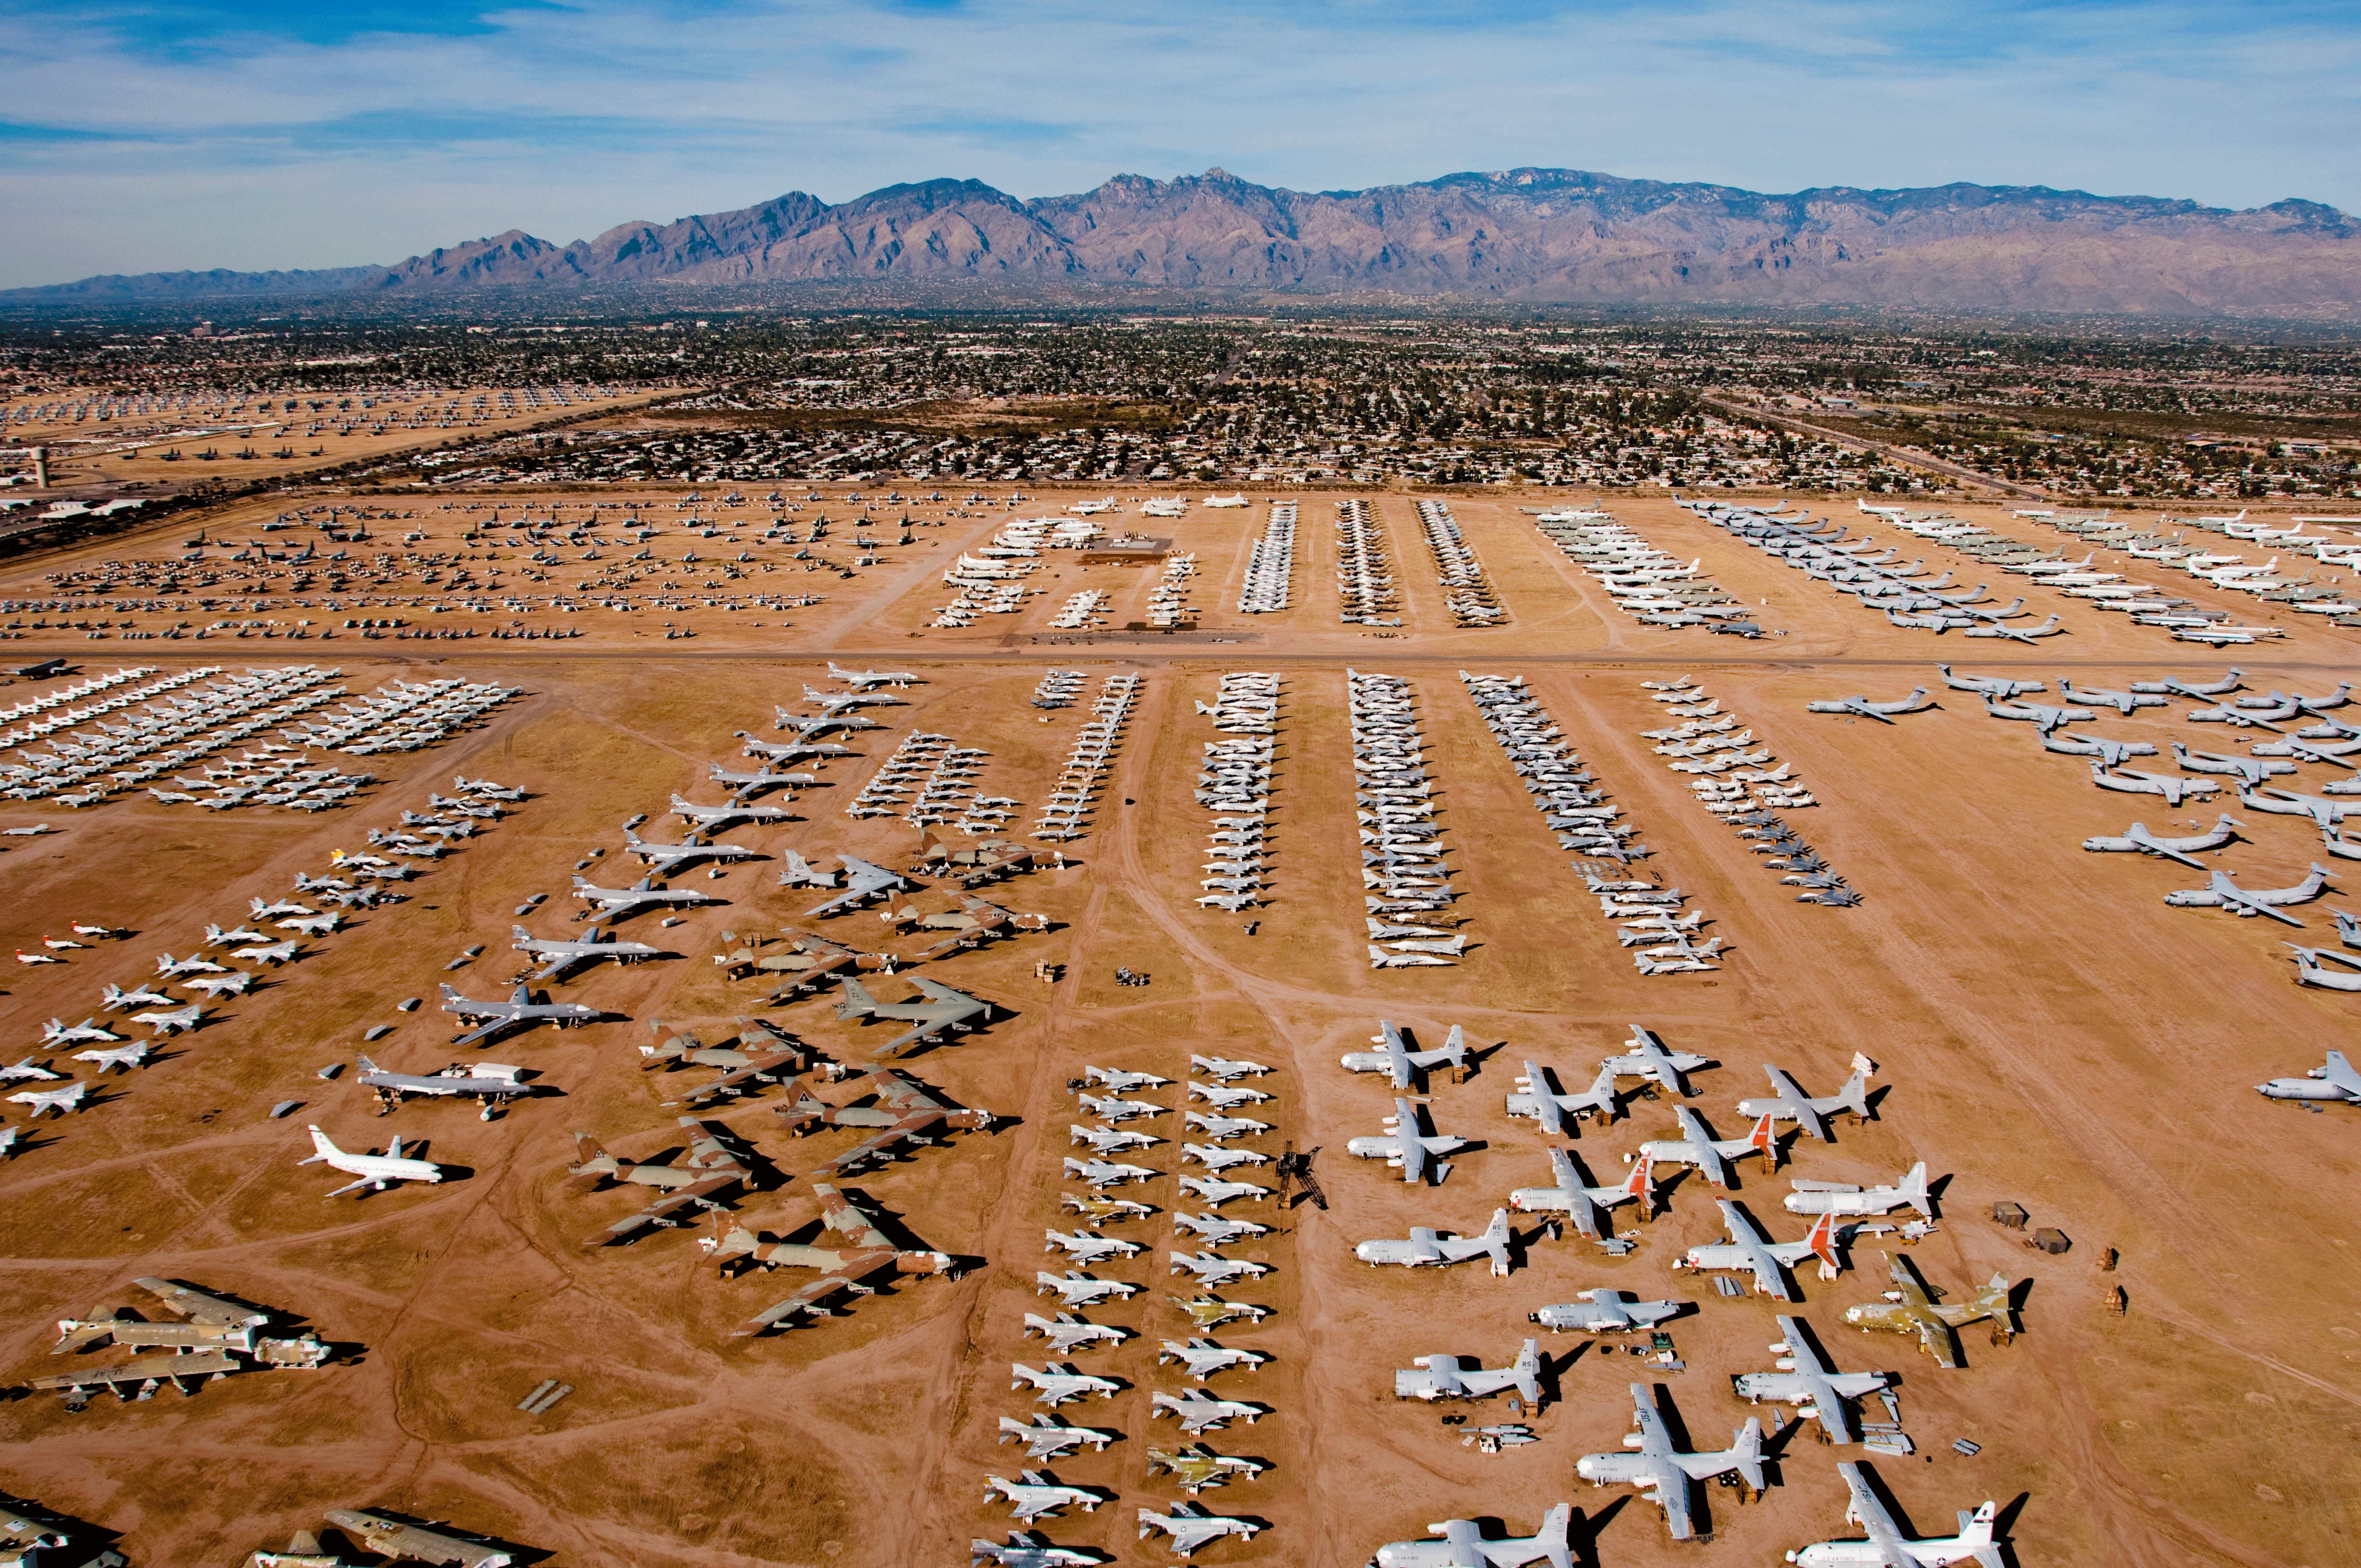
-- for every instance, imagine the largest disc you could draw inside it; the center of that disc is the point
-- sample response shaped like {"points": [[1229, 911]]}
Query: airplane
{"points": [[27, 1069], [1224, 1096], [493, 1082], [1191, 1527], [1212, 1270], [1116, 1081], [2139, 840], [125, 1058], [743, 785], [173, 1021], [57, 1032], [1108, 1108], [1047, 1436], [391, 1538], [1076, 1289], [2123, 702], [1646, 1057], [519, 1011], [1068, 1333], [1768, 1261], [616, 904], [1196, 1467], [667, 859], [1404, 1147], [1808, 1379], [115, 997], [1883, 712], [1605, 1312], [1463, 1546], [374, 1170], [2170, 685], [2113, 753], [1398, 1063], [1887, 1547], [1698, 1147], [709, 1166], [2248, 771], [1209, 1312], [1534, 1098], [861, 880], [1034, 1495], [2047, 719], [1433, 1378], [272, 953], [1911, 1308], [937, 1008], [2336, 1080], [867, 1252], [745, 1066], [1100, 1173], [864, 678], [2221, 893], [484, 787], [1586, 1205], [712, 819], [1024, 1551], [1657, 1470], [65, 1098], [834, 703], [793, 752], [1199, 1411], [910, 1112], [1084, 1248], [1991, 685], [559, 959], [1098, 1211], [1203, 1357], [1059, 1383], [169, 968], [1840, 1197], [1218, 1127], [1216, 1191], [2173, 786], [217, 938], [1790, 1104], [1226, 1068], [800, 874], [807, 728]]}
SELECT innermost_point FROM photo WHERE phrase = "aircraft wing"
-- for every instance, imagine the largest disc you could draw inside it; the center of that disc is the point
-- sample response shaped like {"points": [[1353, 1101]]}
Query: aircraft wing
{"points": [[1671, 1491], [851, 1158], [811, 1293], [1413, 1156], [904, 1094], [944, 994], [1883, 1533], [2340, 1072], [662, 1211], [764, 1069], [1654, 1440]]}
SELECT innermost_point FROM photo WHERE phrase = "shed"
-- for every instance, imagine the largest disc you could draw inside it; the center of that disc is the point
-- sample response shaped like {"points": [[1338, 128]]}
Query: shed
{"points": [[2013, 1215], [2050, 1240]]}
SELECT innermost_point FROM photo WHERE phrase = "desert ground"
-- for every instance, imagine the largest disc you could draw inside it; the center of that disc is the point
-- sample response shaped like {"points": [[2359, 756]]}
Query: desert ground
{"points": [[2047, 1032]]}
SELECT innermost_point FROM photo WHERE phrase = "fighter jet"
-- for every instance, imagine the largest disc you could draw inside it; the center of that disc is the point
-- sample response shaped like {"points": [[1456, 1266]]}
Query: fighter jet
{"points": [[122, 1057], [1226, 1068], [863, 679], [519, 1011], [1604, 1312], [1432, 1377], [1217, 1232], [1534, 1098], [1665, 1475], [2123, 702], [1844, 1199], [1116, 1081], [1068, 1333], [1191, 1527], [1398, 1063], [1034, 1495], [2221, 893], [1196, 1467], [1024, 1551], [1989, 685], [493, 1082], [1109, 1140], [1647, 1057], [1199, 1411], [1789, 1104], [65, 1098], [669, 859], [1203, 1357], [1220, 1158], [1911, 1308], [616, 905], [1084, 1248], [1059, 1383], [392, 1539], [1101, 1173], [1698, 1147], [867, 1252], [1463, 1546], [1076, 1289], [1808, 1380], [1883, 712], [115, 997], [937, 1008], [374, 1170], [711, 1165], [1219, 1127], [2336, 1080], [58, 1032], [171, 1021], [559, 959], [713, 818], [1047, 1436], [1887, 1547], [2173, 786], [1108, 1108], [2139, 840], [1769, 1262], [27, 1069], [909, 1113], [1404, 1147], [1212, 1270], [861, 880], [1584, 1205]]}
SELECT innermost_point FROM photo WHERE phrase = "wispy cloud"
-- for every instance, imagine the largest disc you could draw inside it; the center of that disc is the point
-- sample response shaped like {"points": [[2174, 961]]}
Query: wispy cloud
{"points": [[167, 135]]}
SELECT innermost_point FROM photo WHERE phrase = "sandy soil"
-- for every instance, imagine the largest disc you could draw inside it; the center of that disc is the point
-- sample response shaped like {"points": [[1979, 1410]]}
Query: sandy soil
{"points": [[2049, 1032]]}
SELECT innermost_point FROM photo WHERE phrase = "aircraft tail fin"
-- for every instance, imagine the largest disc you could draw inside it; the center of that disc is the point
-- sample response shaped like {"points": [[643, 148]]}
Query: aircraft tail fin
{"points": [[1854, 1095], [1641, 1182], [1995, 1293], [1556, 1534], [1823, 1241], [1765, 1136], [1455, 1048], [321, 1147], [1914, 1189], [1747, 1451]]}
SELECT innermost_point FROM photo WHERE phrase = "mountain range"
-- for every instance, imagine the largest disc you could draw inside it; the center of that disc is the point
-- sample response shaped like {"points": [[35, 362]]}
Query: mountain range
{"points": [[1534, 235]]}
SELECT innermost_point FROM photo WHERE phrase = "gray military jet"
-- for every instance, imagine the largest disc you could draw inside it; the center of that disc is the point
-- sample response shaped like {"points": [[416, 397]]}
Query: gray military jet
{"points": [[793, 751], [1398, 1063], [560, 958], [519, 1011], [1645, 1057], [937, 1009], [798, 872], [1191, 1527], [863, 679], [713, 818], [1888, 1547], [2173, 686], [1710, 1156], [2247, 771], [2123, 702], [2113, 753], [1604, 1312], [1534, 1098], [861, 880], [745, 787], [1464, 1546], [616, 905], [1034, 1495], [1789, 1104], [1808, 1380], [1664, 1474], [1029, 1551], [834, 703], [2221, 893], [2139, 840], [494, 1083], [1989, 685], [1405, 1149], [807, 728], [1432, 1377], [1203, 1357], [1057, 1384], [391, 1538], [2336, 1080], [1427, 1248], [668, 859], [1883, 712], [1068, 1333], [1199, 1411], [1047, 1436], [1077, 1290], [1769, 1262]]}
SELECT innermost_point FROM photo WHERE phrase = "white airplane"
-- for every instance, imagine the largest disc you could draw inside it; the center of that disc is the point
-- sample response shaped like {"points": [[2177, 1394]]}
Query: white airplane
{"points": [[862, 679], [1805, 1379], [1108, 1140], [1033, 1495], [1218, 1127], [1887, 1547], [1767, 1261], [1059, 1383], [1604, 1312], [1397, 1062], [123, 1058], [27, 1069], [1106, 1173], [1224, 1096], [217, 938], [1191, 1527], [1434, 1378], [1841, 1197], [220, 985], [1116, 1081], [1025, 1551], [1216, 1191], [61, 1100], [2139, 840], [1427, 1248], [1047, 1436], [1225, 1067], [1789, 1104], [1463, 1546], [1667, 1476], [1216, 1231], [171, 968], [58, 1032], [1534, 1098], [1698, 1147], [2335, 1080], [1068, 1333], [1107, 1108], [1075, 1289], [1221, 1159], [1381, 959], [557, 957], [1647, 1057], [1199, 1411], [114, 996], [25, 958], [1584, 1205], [173, 1021], [1212, 1270], [1084, 1248], [1404, 1149], [375, 1170], [1203, 1357], [271, 953]]}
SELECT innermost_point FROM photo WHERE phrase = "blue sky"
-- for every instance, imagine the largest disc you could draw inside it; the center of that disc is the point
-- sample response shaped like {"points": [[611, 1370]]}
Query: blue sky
{"points": [[144, 134]]}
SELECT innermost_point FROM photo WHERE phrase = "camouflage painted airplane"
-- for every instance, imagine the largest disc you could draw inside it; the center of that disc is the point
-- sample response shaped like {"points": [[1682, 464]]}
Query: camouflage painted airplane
{"points": [[775, 1054], [711, 1165], [909, 1113], [1911, 1308], [867, 1252], [941, 1008], [1195, 1467]]}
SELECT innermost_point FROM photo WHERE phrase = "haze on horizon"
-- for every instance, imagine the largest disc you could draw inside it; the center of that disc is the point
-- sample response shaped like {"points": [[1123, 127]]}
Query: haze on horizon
{"points": [[195, 133]]}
